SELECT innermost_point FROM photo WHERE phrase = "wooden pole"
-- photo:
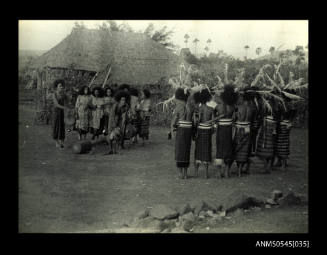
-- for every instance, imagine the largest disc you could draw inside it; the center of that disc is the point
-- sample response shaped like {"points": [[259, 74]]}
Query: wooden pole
{"points": [[93, 79], [105, 80]]}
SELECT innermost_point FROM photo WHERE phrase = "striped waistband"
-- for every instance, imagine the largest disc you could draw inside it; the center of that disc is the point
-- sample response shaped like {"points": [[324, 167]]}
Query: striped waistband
{"points": [[242, 123], [270, 119], [185, 124], [205, 126], [225, 122], [286, 123]]}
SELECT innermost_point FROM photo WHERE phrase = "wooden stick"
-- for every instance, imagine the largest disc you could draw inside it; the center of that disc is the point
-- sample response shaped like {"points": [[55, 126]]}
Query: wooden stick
{"points": [[104, 83], [214, 120], [93, 79]]}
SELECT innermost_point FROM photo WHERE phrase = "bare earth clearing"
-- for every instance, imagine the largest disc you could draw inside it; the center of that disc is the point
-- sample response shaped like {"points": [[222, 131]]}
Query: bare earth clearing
{"points": [[63, 192]]}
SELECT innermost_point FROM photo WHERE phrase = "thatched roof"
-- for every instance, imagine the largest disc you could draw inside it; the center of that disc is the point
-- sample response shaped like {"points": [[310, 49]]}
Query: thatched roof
{"points": [[134, 57]]}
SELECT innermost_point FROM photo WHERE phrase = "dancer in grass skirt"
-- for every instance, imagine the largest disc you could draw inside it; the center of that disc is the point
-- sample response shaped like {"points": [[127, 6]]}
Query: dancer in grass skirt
{"points": [[183, 129], [203, 142], [224, 141]]}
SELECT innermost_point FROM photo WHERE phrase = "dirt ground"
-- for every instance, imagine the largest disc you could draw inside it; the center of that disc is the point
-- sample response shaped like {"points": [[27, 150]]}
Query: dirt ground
{"points": [[64, 192]]}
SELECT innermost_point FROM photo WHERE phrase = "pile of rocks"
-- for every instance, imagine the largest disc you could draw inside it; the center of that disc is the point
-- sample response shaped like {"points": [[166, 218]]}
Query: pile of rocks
{"points": [[164, 219], [277, 200]]}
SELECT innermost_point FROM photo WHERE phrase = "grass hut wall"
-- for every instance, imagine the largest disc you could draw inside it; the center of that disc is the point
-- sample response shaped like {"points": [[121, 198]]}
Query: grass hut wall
{"points": [[134, 58]]}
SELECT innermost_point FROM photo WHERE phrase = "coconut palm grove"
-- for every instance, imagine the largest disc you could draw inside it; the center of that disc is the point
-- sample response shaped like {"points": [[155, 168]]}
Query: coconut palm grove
{"points": [[125, 131]]}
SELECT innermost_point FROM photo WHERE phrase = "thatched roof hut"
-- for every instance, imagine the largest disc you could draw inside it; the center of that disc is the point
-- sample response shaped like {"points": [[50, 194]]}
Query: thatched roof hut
{"points": [[134, 58]]}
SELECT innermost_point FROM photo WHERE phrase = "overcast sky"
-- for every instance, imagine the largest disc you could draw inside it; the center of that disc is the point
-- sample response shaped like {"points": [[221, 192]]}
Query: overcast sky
{"points": [[228, 35]]}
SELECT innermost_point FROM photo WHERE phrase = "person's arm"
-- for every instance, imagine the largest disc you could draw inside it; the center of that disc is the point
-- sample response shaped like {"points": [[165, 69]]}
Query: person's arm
{"points": [[92, 104], [77, 105], [56, 104]]}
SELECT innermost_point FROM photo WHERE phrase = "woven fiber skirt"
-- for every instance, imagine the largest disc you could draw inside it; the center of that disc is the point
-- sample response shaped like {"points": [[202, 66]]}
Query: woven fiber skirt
{"points": [[144, 127], [266, 139], [224, 142], [203, 144], [183, 143], [283, 140], [58, 124], [242, 141], [136, 122]]}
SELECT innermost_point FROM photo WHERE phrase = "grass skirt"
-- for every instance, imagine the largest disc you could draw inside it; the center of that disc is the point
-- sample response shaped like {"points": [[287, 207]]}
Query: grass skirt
{"points": [[241, 142], [266, 140], [58, 124], [224, 142], [203, 144], [283, 140], [183, 144]]}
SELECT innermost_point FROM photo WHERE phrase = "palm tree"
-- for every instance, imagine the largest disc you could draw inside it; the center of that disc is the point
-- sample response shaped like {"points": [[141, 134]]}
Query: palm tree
{"points": [[272, 50], [195, 41], [258, 51], [186, 37], [206, 49], [246, 47], [209, 42]]}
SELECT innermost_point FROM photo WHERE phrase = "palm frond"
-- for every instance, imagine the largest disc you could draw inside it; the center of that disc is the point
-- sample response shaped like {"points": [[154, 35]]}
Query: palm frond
{"points": [[273, 82], [256, 103], [174, 82], [303, 86], [292, 96], [294, 84], [282, 82], [266, 105], [260, 74], [271, 95], [166, 103]]}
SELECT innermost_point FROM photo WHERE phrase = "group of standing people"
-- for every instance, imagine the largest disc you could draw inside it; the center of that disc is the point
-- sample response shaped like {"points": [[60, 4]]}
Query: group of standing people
{"points": [[242, 128], [123, 112]]}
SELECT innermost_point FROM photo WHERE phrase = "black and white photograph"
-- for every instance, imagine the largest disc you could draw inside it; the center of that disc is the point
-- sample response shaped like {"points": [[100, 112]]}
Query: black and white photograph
{"points": [[163, 126]]}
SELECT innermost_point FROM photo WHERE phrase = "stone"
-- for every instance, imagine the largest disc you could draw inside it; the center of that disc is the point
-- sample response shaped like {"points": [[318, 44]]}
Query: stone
{"points": [[184, 209], [162, 211], [143, 214], [271, 201], [198, 208], [148, 223], [187, 225], [222, 214], [203, 214], [189, 216], [167, 230], [276, 194], [167, 224], [246, 203], [289, 200], [211, 214], [178, 230]]}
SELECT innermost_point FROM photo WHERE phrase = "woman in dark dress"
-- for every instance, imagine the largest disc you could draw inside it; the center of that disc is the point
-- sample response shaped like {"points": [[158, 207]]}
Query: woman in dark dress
{"points": [[183, 138], [58, 123], [203, 141], [123, 99], [224, 140]]}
